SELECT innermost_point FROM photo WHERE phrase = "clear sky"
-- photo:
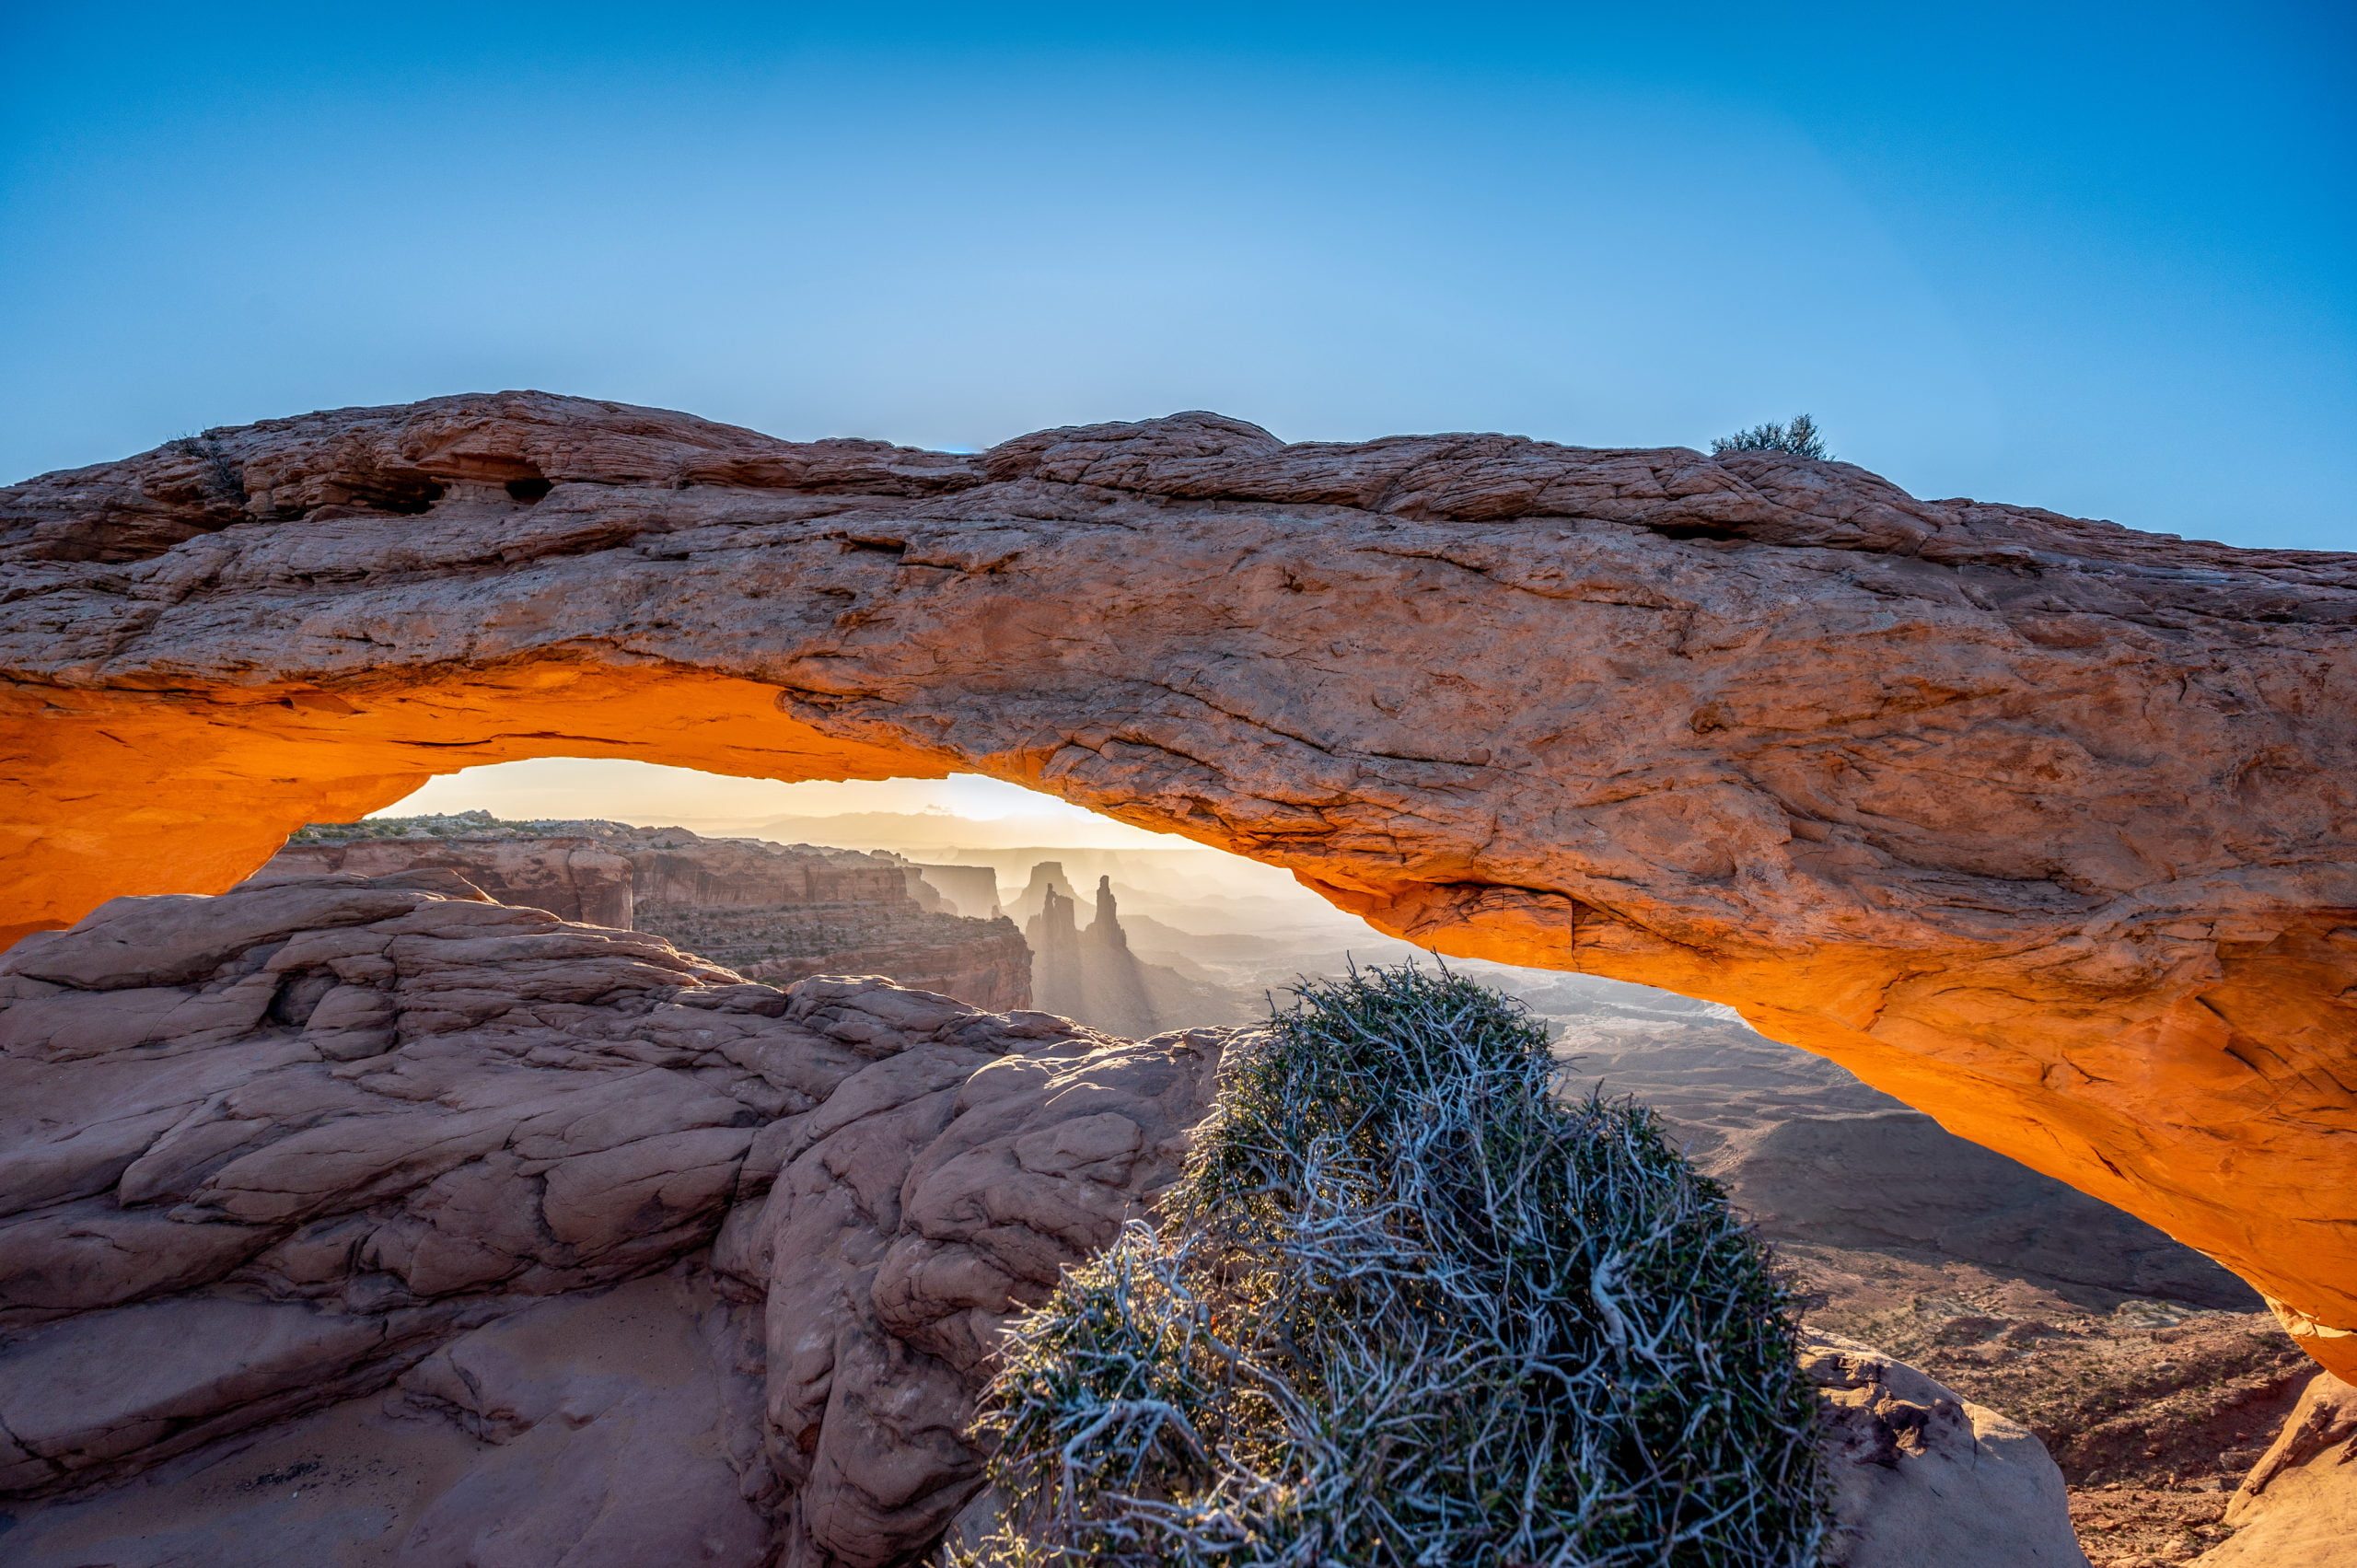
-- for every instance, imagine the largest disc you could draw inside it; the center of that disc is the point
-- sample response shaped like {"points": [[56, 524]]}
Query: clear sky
{"points": [[2094, 258]]}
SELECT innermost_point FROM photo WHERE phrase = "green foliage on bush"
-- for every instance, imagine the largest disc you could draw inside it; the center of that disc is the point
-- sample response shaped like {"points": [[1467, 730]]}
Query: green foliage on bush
{"points": [[1406, 1308], [1801, 438]]}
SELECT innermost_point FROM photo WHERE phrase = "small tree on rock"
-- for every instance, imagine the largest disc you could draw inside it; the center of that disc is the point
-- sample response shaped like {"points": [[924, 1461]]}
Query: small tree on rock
{"points": [[1801, 438]]}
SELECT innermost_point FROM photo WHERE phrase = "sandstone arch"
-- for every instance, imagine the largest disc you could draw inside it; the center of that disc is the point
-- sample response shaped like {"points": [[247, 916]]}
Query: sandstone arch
{"points": [[2047, 827]]}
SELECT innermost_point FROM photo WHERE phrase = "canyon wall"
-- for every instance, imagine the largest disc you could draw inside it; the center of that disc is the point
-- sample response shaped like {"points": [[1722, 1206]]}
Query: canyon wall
{"points": [[571, 876], [970, 890], [2045, 825], [769, 912]]}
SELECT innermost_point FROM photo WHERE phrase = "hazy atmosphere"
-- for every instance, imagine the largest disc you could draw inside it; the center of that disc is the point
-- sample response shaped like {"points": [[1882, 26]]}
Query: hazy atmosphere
{"points": [[644, 793]]}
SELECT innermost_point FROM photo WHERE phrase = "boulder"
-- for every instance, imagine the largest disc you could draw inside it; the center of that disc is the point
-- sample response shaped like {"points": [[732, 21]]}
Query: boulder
{"points": [[2298, 1506], [1922, 1475], [614, 1426]]}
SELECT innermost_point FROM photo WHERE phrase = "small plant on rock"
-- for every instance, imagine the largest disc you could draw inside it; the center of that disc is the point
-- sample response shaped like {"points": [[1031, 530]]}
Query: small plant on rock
{"points": [[221, 471], [1405, 1307], [1801, 438]]}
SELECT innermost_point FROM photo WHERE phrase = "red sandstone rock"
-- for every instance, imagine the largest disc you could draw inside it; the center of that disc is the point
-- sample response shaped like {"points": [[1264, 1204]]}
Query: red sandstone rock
{"points": [[2298, 1505], [267, 1152], [2047, 826]]}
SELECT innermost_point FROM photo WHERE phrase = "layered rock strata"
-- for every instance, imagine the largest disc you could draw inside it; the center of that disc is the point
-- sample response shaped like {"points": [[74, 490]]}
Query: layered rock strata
{"points": [[2044, 826], [970, 890], [355, 1220], [273, 1151], [770, 911]]}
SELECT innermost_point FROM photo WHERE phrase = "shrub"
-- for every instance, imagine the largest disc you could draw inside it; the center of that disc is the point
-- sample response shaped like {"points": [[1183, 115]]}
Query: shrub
{"points": [[221, 471], [1801, 438], [1405, 1307]]}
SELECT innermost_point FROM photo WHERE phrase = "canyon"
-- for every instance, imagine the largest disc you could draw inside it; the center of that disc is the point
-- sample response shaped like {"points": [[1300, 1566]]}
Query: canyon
{"points": [[781, 912], [768, 911], [2150, 1373], [1089, 973]]}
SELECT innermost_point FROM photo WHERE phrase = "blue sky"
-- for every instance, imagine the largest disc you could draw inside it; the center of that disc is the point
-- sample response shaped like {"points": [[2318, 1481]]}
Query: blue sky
{"points": [[2041, 254]]}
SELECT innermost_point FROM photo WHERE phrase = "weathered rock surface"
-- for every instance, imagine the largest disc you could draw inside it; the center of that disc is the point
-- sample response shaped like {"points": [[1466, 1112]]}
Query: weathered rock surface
{"points": [[2298, 1505], [770, 911], [618, 1427], [1911, 1460], [2047, 826], [272, 1152]]}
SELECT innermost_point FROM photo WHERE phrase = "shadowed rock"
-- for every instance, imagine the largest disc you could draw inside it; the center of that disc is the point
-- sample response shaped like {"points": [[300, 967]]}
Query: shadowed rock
{"points": [[2298, 1505]]}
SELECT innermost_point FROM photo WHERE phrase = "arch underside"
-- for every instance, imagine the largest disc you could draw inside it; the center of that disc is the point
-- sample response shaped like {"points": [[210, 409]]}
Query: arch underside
{"points": [[2042, 826]]}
